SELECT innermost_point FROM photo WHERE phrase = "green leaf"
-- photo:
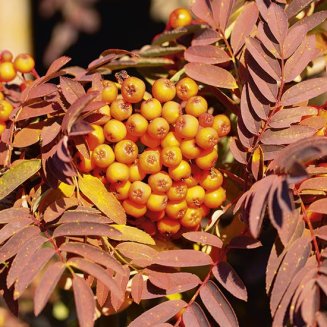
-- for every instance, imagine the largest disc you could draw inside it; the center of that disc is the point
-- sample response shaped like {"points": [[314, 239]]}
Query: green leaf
{"points": [[17, 175], [105, 201], [133, 234]]}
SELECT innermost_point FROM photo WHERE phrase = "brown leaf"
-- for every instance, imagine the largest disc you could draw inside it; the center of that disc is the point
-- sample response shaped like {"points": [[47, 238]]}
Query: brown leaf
{"points": [[217, 305], [158, 314], [278, 22], [208, 54], [293, 40], [195, 317], [137, 288], [47, 285], [202, 9], [204, 238], [12, 228], [49, 133], [32, 268], [58, 207], [230, 280], [41, 91], [296, 6], [211, 75], [105, 201], [244, 25], [315, 183], [313, 20], [206, 36], [72, 90], [236, 151], [268, 40], [85, 229], [321, 232], [14, 214], [182, 258], [319, 206], [57, 64], [81, 215], [84, 302]]}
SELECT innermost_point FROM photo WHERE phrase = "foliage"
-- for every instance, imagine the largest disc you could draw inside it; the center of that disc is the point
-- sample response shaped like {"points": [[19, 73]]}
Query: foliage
{"points": [[247, 58]]}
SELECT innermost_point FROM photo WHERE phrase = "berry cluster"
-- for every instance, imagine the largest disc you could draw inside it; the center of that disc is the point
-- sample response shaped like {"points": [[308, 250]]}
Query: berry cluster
{"points": [[157, 153], [23, 63], [5, 111]]}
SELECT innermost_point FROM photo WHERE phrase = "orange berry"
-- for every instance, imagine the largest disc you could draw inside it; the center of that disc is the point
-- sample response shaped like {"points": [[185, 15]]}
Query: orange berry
{"points": [[121, 190], [221, 124], [84, 165], [5, 110], [150, 141], [136, 125], [168, 226], [176, 210], [126, 151], [190, 181], [2, 127], [24, 63], [133, 89], [205, 210], [177, 192], [206, 120], [6, 55], [214, 199], [190, 149], [171, 156], [192, 217], [133, 209], [151, 109], [149, 227], [183, 170], [109, 91], [207, 159], [100, 173], [158, 128], [135, 173], [160, 182], [114, 131], [195, 196], [206, 138], [157, 202], [120, 109], [155, 215], [170, 140], [1, 96], [186, 88], [186, 126], [150, 162], [171, 110], [139, 192], [7, 71], [117, 172], [96, 137], [196, 106], [211, 179], [103, 156], [163, 90], [180, 17]]}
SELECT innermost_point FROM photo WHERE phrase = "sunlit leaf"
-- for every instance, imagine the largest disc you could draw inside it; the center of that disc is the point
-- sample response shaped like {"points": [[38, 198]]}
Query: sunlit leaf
{"points": [[278, 22], [208, 54], [204, 238], [319, 206], [133, 234], [72, 90]]}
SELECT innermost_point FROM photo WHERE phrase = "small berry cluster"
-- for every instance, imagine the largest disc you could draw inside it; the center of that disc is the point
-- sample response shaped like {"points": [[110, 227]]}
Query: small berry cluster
{"points": [[5, 111], [157, 153], [23, 63]]}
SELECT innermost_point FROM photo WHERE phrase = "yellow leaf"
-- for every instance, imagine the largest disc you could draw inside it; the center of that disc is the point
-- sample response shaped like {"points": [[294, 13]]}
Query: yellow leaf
{"points": [[17, 175], [105, 201], [67, 190], [133, 234]]}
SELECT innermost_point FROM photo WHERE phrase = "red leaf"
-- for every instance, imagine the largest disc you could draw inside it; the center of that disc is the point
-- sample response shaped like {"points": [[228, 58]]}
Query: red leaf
{"points": [[268, 64], [304, 91], [13, 214], [81, 215], [268, 40], [287, 135], [208, 54], [206, 36], [195, 317], [12, 246], [31, 269], [72, 90], [49, 133], [228, 278], [293, 39], [202, 9], [221, 10], [84, 302], [311, 305], [296, 6], [94, 254], [315, 183], [244, 25], [41, 91], [87, 229], [319, 206], [173, 282], [211, 75], [57, 64], [158, 314], [237, 153], [313, 20], [294, 260], [217, 305], [58, 207], [204, 238], [182, 258], [137, 288], [278, 22], [321, 232], [98, 272], [12, 228], [47, 285], [300, 59]]}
